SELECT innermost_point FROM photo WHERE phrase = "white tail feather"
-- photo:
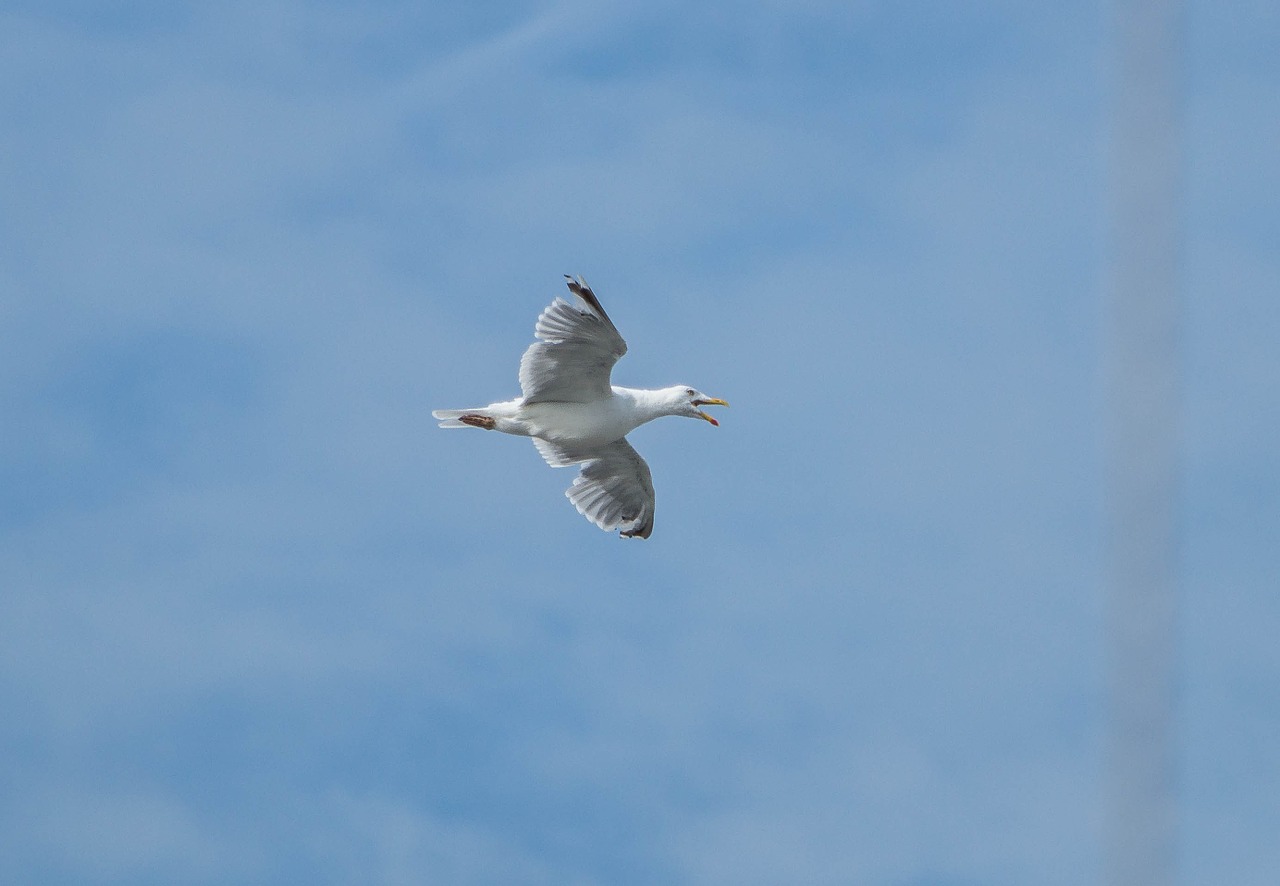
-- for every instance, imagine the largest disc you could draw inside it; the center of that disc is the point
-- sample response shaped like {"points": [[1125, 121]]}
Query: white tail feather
{"points": [[448, 418]]}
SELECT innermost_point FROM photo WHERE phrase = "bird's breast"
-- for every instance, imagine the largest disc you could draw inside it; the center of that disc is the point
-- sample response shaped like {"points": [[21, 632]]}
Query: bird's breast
{"points": [[588, 424]]}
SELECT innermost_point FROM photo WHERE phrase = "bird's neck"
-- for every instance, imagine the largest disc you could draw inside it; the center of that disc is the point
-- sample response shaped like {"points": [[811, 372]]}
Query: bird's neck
{"points": [[648, 404]]}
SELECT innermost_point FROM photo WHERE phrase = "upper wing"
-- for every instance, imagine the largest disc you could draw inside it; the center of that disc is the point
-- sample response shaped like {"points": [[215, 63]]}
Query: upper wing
{"points": [[576, 352], [614, 490]]}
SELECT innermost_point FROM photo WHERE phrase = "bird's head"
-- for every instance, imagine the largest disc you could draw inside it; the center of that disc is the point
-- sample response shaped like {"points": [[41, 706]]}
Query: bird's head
{"points": [[687, 400]]}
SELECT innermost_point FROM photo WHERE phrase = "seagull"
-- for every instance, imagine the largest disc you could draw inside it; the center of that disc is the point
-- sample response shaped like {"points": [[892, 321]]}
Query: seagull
{"points": [[577, 417]]}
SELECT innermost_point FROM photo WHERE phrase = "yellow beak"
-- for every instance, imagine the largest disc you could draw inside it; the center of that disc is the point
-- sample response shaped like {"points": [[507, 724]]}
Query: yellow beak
{"points": [[714, 401]]}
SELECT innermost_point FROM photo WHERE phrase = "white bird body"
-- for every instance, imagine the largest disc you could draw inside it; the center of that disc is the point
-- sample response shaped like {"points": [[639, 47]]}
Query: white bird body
{"points": [[591, 424], [575, 416]]}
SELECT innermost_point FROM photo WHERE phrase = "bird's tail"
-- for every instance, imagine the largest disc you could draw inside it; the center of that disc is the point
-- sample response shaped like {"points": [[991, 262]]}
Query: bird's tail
{"points": [[451, 418]]}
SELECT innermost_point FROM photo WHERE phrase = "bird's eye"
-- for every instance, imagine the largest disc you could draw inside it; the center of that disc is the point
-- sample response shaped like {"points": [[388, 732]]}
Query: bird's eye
{"points": [[691, 392]]}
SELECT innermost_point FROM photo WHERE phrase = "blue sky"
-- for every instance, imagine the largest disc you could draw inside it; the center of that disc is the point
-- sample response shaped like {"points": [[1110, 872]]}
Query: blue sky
{"points": [[261, 622]]}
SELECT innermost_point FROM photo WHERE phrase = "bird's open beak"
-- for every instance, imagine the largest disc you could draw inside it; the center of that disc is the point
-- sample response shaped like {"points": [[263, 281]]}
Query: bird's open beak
{"points": [[714, 401]]}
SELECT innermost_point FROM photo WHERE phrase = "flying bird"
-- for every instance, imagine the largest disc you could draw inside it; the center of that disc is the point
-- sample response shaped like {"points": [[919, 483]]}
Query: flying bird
{"points": [[577, 417]]}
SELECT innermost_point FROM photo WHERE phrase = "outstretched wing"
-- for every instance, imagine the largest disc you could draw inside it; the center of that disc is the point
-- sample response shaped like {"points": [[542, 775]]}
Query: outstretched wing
{"points": [[574, 356], [614, 490]]}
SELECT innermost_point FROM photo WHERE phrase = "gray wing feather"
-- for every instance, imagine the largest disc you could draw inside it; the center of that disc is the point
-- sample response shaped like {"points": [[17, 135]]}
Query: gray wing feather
{"points": [[614, 490], [574, 356]]}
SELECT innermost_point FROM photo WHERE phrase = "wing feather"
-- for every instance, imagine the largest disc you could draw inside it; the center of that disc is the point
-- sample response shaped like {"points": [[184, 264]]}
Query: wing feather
{"points": [[576, 350], [614, 489]]}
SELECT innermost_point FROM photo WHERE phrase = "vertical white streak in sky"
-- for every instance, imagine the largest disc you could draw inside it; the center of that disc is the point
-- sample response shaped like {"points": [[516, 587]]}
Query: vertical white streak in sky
{"points": [[1145, 166]]}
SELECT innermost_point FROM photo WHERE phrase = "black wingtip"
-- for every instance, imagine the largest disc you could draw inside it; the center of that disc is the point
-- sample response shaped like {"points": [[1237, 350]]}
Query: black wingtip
{"points": [[582, 290]]}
